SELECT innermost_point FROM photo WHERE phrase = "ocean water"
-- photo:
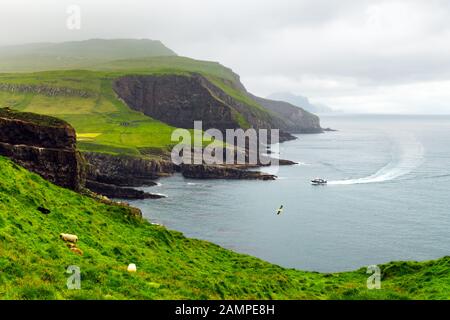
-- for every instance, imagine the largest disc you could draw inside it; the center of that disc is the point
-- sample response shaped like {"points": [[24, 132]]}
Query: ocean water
{"points": [[388, 198]]}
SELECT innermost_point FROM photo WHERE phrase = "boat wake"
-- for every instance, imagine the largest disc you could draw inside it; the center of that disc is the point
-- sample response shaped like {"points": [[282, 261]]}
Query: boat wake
{"points": [[408, 154]]}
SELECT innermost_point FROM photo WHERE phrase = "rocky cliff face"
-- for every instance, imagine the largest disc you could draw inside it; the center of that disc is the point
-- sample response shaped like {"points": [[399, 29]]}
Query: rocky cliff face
{"points": [[125, 171], [44, 145], [179, 100]]}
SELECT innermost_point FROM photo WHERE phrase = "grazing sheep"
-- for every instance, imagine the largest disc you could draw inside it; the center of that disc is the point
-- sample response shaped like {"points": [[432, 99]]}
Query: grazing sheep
{"points": [[131, 267], [77, 251], [68, 237]]}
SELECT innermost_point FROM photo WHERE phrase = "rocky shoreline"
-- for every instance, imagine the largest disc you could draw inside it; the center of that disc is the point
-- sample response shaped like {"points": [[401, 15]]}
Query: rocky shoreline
{"points": [[117, 176], [112, 191], [222, 172]]}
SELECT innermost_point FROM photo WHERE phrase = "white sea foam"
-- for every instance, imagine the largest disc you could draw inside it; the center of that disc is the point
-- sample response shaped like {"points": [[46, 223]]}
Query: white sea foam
{"points": [[160, 194], [407, 155]]}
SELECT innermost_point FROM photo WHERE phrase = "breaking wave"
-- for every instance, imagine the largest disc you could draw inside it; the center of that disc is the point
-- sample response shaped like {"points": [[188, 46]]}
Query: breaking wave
{"points": [[408, 154]]}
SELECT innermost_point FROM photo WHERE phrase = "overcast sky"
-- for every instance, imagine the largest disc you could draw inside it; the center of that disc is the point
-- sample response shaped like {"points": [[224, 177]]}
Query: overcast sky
{"points": [[383, 56]]}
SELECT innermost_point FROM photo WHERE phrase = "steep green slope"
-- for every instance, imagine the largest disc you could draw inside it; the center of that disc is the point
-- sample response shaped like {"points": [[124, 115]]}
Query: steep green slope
{"points": [[76, 54], [33, 260], [104, 123]]}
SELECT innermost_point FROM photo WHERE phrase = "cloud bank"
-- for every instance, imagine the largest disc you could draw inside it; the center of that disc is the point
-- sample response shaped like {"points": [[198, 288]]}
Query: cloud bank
{"points": [[360, 56]]}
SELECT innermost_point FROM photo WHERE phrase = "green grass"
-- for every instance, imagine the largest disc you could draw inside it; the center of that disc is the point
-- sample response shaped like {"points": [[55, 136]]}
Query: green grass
{"points": [[76, 54], [168, 65], [33, 260], [32, 117], [93, 109]]}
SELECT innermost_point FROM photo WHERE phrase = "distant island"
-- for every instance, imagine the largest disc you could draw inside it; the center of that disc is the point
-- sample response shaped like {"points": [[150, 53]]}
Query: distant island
{"points": [[301, 102]]}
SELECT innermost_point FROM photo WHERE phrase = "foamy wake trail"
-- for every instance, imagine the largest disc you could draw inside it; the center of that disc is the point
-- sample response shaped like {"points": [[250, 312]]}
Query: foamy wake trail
{"points": [[407, 155]]}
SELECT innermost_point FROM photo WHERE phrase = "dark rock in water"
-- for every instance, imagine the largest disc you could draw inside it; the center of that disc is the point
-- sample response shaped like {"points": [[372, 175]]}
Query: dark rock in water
{"points": [[43, 210], [286, 136], [329, 130], [283, 162], [222, 172], [43, 145], [112, 191]]}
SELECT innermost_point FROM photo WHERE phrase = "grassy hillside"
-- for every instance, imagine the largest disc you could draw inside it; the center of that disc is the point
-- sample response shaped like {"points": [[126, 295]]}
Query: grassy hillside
{"points": [[76, 54], [33, 260], [102, 121], [85, 99]]}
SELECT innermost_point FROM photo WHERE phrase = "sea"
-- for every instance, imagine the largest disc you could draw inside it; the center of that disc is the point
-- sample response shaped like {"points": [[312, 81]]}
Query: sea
{"points": [[387, 198]]}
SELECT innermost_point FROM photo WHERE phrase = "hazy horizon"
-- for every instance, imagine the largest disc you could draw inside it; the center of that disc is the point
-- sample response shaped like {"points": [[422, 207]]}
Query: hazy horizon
{"points": [[379, 56]]}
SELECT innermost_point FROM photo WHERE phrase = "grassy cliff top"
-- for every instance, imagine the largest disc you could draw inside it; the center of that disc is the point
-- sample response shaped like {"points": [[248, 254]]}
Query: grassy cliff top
{"points": [[33, 260], [76, 54], [32, 117]]}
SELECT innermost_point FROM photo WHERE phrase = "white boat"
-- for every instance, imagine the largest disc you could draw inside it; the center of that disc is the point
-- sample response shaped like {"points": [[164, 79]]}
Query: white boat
{"points": [[318, 181]]}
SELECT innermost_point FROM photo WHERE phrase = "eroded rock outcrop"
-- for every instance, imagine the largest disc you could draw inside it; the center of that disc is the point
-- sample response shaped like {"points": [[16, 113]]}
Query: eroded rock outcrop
{"points": [[116, 176], [113, 191], [222, 172], [45, 90], [125, 171], [44, 145], [106, 171]]}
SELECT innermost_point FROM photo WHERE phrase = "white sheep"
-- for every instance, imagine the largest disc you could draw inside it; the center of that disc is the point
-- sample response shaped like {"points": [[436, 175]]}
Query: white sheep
{"points": [[68, 237], [131, 267]]}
